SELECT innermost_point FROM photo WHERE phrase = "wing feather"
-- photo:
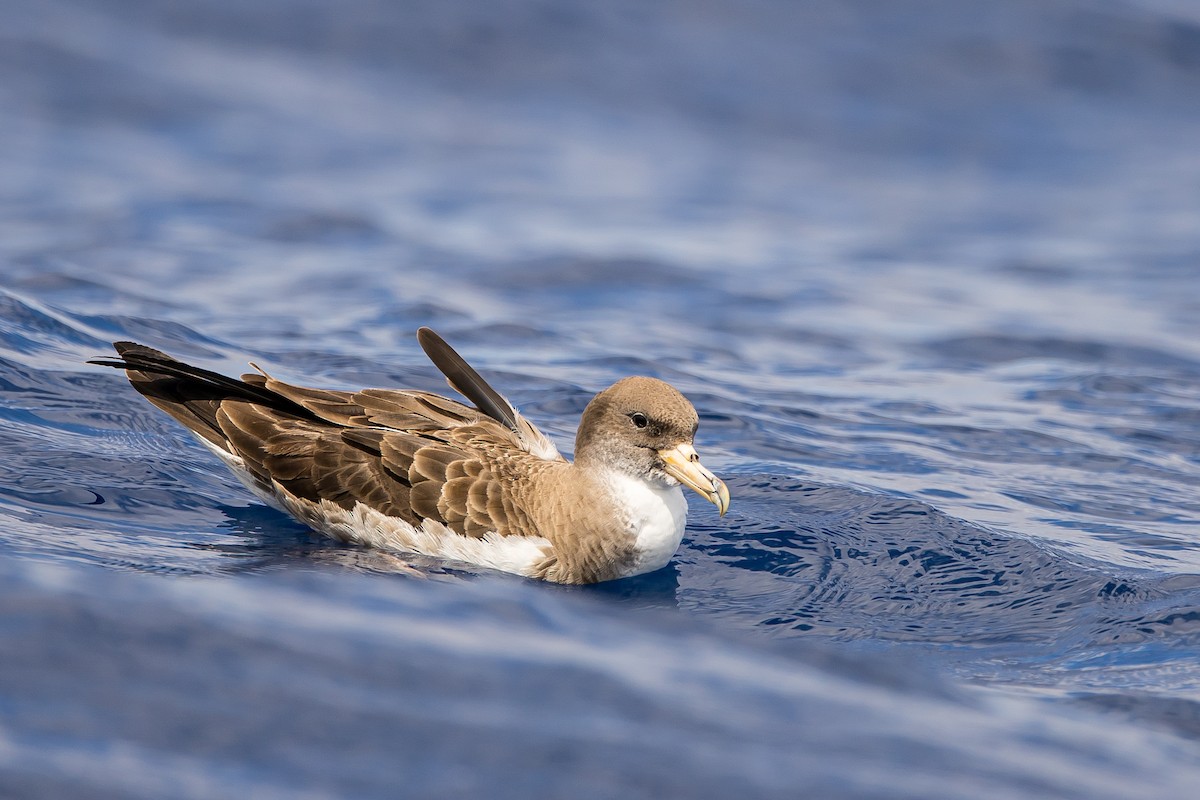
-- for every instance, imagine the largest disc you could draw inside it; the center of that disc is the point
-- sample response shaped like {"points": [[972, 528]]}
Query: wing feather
{"points": [[465, 380], [408, 454], [415, 411]]}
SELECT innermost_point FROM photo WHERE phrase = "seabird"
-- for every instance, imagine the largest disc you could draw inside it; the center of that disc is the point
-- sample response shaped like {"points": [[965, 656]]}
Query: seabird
{"points": [[412, 471]]}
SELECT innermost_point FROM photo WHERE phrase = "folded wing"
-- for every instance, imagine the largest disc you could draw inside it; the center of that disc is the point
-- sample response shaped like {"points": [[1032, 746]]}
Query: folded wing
{"points": [[407, 454]]}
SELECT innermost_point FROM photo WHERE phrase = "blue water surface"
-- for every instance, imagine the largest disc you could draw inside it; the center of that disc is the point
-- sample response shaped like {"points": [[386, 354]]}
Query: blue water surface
{"points": [[930, 272]]}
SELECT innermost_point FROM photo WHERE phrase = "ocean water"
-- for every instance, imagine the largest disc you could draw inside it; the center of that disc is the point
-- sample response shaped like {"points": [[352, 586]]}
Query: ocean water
{"points": [[929, 271]]}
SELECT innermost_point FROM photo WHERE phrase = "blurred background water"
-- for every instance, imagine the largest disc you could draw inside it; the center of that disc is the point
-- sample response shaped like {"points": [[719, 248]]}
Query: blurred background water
{"points": [[929, 270]]}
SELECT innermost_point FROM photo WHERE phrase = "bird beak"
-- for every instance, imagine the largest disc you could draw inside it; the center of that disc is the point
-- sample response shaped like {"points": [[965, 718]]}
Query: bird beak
{"points": [[683, 464]]}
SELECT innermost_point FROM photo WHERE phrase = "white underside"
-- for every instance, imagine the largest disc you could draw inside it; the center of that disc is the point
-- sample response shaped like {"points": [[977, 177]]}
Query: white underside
{"points": [[364, 525], [657, 512]]}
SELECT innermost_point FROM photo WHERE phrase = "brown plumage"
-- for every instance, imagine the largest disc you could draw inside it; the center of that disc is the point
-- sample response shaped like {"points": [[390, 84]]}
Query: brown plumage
{"points": [[414, 471]]}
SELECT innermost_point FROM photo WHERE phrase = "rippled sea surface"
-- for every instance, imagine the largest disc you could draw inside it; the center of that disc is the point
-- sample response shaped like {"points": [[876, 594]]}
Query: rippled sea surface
{"points": [[930, 272]]}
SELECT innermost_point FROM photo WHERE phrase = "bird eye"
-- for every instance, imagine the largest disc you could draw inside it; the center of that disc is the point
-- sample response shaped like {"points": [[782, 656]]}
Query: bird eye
{"points": [[639, 419]]}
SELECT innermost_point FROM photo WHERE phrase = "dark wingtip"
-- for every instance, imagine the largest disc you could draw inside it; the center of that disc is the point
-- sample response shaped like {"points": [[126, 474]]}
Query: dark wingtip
{"points": [[133, 349], [109, 361], [152, 365], [435, 346], [464, 379]]}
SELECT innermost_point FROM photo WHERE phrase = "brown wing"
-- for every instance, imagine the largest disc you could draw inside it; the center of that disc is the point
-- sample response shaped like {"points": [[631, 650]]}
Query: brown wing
{"points": [[385, 408], [405, 410], [450, 476], [407, 454]]}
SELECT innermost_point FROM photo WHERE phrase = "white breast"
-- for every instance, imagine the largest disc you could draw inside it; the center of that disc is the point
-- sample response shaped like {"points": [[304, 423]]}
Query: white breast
{"points": [[656, 515]]}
